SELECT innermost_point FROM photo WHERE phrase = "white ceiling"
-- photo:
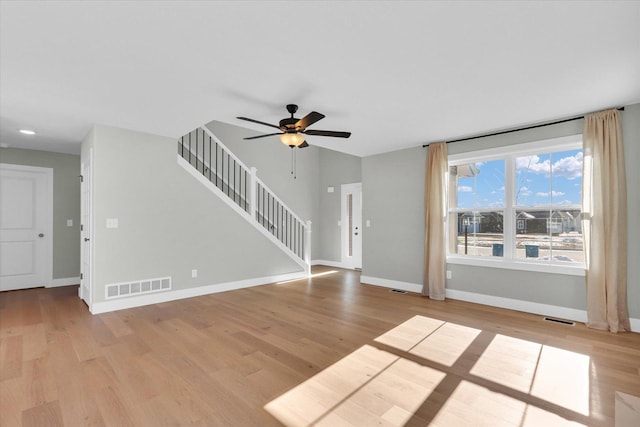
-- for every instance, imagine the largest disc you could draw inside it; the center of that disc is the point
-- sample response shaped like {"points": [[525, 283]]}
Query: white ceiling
{"points": [[395, 74]]}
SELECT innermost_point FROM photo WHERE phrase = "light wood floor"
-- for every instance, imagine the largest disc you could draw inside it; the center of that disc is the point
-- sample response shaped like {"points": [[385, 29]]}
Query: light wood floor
{"points": [[327, 351]]}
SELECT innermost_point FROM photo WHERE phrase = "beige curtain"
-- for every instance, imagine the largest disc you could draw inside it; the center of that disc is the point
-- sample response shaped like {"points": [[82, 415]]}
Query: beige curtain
{"points": [[604, 207], [435, 196]]}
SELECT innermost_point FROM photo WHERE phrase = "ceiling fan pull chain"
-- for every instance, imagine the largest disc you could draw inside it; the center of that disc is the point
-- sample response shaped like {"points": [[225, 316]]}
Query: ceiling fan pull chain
{"points": [[293, 162]]}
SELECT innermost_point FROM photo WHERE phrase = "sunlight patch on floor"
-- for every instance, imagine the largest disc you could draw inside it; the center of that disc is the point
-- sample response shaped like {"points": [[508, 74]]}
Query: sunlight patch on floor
{"points": [[562, 377], [372, 386], [368, 385], [555, 375], [392, 397], [410, 333], [446, 344], [324, 273], [311, 400], [510, 362], [431, 339], [472, 404]]}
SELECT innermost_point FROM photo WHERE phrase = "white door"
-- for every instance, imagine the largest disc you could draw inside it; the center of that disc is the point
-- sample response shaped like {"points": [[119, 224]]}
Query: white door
{"points": [[26, 224], [86, 226], [351, 225]]}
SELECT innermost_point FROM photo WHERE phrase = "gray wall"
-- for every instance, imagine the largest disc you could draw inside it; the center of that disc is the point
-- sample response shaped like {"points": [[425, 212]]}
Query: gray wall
{"points": [[66, 204], [393, 200], [335, 169], [169, 223], [631, 135], [393, 248]]}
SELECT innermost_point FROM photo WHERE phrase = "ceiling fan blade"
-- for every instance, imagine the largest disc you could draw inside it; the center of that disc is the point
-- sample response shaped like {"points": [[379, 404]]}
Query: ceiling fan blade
{"points": [[263, 136], [309, 119], [258, 121], [304, 144], [333, 133]]}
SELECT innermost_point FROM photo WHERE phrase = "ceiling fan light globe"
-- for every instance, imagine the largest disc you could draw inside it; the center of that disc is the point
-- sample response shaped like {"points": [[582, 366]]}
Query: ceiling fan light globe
{"points": [[292, 139]]}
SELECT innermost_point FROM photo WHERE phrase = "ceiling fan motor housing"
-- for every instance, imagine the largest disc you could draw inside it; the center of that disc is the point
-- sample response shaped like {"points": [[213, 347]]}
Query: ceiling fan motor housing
{"points": [[289, 125]]}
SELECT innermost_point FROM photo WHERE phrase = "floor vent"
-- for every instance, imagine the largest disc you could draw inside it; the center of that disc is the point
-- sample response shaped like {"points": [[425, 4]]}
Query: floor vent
{"points": [[139, 287], [398, 291], [564, 322]]}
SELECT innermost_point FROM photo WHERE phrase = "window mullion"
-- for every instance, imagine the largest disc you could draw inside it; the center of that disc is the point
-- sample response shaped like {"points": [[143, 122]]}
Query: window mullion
{"points": [[509, 206]]}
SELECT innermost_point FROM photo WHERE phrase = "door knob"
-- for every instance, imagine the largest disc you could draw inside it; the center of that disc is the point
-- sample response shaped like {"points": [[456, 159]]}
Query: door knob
{"points": [[41, 235], [86, 239]]}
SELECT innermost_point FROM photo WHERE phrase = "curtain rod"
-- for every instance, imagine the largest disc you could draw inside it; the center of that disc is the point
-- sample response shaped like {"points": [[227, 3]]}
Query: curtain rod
{"points": [[518, 129]]}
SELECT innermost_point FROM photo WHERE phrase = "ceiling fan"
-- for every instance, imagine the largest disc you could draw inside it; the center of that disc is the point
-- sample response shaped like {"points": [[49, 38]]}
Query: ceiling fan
{"points": [[292, 130]]}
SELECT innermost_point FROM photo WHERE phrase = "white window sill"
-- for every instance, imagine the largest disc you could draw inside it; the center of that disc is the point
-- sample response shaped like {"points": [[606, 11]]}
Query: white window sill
{"points": [[572, 270]]}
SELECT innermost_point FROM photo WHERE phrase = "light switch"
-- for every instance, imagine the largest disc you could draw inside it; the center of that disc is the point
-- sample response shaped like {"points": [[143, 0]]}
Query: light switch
{"points": [[367, 223], [329, 189], [69, 223], [112, 222], [339, 223]]}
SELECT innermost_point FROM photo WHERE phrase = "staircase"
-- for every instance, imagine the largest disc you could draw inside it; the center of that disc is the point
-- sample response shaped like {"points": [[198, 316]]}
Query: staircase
{"points": [[203, 155]]}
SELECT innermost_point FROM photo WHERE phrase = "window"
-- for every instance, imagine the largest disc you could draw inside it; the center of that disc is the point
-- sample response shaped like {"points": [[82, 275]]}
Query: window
{"points": [[518, 206]]}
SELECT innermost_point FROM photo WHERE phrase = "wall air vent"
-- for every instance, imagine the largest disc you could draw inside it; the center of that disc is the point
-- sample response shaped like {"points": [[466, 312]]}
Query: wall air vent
{"points": [[398, 291], [139, 287]]}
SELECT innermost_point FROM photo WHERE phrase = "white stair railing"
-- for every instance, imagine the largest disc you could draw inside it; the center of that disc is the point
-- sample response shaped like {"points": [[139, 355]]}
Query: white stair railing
{"points": [[201, 153]]}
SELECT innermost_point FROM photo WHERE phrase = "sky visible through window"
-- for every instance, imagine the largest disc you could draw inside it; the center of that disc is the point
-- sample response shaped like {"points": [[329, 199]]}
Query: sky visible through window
{"points": [[541, 180]]}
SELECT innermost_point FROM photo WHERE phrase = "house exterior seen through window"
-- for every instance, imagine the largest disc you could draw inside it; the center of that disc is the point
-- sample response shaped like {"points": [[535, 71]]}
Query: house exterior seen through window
{"points": [[519, 204]]}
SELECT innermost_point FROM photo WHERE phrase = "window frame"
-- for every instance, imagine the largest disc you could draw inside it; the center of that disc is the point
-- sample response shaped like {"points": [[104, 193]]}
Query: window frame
{"points": [[509, 154]]}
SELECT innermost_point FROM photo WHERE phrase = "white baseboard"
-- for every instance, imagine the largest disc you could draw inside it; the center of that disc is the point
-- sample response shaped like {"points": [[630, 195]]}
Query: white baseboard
{"points": [[519, 305], [65, 281], [335, 264], [508, 303], [141, 300]]}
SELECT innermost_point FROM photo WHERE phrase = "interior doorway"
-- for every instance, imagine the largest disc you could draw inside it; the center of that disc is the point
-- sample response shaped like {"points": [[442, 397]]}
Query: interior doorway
{"points": [[86, 226], [26, 226], [351, 221]]}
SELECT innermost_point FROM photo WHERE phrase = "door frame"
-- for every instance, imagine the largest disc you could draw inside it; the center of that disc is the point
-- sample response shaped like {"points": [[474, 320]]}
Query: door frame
{"points": [[86, 228], [47, 206], [345, 259]]}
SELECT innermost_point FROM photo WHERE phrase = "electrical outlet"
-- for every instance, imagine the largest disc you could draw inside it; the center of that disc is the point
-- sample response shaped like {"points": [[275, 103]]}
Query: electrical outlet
{"points": [[194, 273], [448, 274]]}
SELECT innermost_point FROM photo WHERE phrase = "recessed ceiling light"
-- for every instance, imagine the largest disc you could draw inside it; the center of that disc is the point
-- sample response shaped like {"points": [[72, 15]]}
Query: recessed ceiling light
{"points": [[27, 132]]}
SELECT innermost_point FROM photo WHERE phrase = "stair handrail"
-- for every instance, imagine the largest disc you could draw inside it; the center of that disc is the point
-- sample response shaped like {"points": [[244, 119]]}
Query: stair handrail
{"points": [[226, 149], [199, 155], [253, 171]]}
